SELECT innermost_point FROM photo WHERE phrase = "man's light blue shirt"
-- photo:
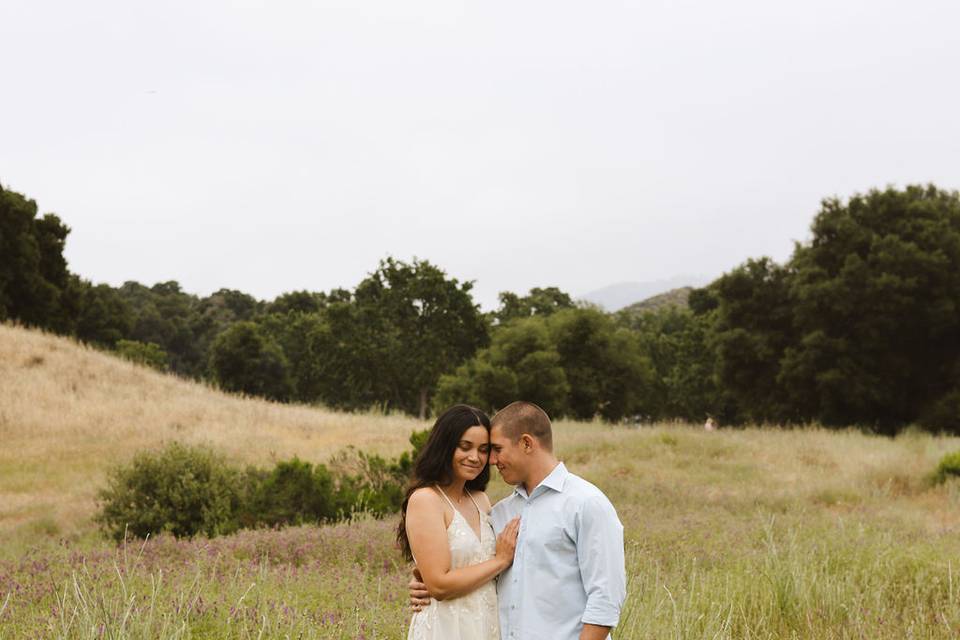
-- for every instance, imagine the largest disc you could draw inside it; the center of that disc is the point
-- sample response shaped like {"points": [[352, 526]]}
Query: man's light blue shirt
{"points": [[569, 566]]}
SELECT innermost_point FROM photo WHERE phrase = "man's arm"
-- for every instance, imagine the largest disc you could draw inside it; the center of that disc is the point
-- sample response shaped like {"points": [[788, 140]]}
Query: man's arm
{"points": [[600, 555], [594, 632]]}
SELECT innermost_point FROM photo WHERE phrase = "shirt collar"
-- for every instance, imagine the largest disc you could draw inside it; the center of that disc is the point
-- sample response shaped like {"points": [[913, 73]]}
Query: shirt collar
{"points": [[555, 480]]}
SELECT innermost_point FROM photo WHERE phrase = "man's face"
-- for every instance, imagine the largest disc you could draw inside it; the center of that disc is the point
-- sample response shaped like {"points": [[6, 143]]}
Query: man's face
{"points": [[507, 457]]}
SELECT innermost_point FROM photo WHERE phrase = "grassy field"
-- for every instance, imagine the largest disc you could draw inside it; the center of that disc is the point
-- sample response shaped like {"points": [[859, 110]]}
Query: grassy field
{"points": [[67, 413], [752, 533]]}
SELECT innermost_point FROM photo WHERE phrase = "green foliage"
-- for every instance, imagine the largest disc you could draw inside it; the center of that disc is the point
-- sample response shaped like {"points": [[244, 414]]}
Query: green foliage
{"points": [[754, 327], [187, 491], [148, 354], [293, 492], [165, 315], [244, 359], [521, 362], [949, 467], [386, 344], [297, 302], [103, 316], [368, 483], [403, 467], [539, 302], [181, 490], [608, 374], [34, 280], [418, 440], [874, 300], [860, 327], [703, 301], [349, 357], [575, 362], [679, 346], [424, 324]]}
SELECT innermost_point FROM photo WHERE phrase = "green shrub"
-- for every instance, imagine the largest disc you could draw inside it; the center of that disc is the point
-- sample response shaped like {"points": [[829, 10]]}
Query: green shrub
{"points": [[181, 490], [146, 353], [294, 492], [366, 482], [186, 491], [404, 464], [949, 467]]}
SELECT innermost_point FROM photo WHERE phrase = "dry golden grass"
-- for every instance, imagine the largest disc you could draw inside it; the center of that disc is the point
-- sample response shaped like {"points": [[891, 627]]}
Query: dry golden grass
{"points": [[68, 413], [825, 473], [740, 533]]}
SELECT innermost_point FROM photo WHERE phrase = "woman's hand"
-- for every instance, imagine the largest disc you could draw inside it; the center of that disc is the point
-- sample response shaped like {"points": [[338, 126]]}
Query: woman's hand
{"points": [[507, 543], [419, 596]]}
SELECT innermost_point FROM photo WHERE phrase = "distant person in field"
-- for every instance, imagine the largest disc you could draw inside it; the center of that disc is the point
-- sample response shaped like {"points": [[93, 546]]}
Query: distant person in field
{"points": [[568, 578], [445, 528]]}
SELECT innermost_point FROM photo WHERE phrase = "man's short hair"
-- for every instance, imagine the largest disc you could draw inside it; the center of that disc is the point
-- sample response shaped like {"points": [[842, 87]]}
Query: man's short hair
{"points": [[518, 418]]}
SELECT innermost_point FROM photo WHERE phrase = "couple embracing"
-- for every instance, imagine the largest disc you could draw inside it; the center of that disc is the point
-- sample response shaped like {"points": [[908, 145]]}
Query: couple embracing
{"points": [[545, 563]]}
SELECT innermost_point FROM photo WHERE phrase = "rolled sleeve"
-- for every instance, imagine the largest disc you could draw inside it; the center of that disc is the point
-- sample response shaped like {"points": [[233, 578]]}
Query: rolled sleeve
{"points": [[602, 565]]}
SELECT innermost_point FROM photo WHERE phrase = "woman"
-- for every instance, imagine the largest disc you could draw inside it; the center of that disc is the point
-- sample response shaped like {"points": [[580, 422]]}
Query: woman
{"points": [[445, 528]]}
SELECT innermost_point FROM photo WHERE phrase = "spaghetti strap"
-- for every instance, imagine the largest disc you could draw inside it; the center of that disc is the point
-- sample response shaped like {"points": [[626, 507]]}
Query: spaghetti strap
{"points": [[479, 510], [446, 498]]}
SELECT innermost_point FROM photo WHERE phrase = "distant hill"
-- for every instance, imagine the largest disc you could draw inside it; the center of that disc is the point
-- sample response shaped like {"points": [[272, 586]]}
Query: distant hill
{"points": [[618, 296], [673, 298]]}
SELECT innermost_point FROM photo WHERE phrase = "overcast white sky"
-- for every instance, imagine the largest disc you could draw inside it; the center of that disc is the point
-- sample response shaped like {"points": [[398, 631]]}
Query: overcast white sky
{"points": [[271, 146]]}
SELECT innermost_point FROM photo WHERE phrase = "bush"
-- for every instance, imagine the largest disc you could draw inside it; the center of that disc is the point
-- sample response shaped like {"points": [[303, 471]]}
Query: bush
{"points": [[147, 353], [366, 482], [186, 491], [949, 467], [294, 492], [418, 439], [180, 490]]}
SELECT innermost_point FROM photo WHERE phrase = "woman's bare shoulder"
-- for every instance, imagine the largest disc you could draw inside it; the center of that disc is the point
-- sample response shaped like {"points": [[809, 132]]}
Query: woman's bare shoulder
{"points": [[425, 498]]}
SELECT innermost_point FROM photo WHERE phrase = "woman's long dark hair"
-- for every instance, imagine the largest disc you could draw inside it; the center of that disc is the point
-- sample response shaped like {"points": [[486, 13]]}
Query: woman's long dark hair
{"points": [[434, 464]]}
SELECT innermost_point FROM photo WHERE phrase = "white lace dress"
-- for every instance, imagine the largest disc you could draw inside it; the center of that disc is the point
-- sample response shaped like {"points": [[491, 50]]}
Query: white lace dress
{"points": [[473, 616]]}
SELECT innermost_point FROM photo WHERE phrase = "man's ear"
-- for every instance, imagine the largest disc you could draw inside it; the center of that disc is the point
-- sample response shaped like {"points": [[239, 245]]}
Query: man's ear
{"points": [[526, 443]]}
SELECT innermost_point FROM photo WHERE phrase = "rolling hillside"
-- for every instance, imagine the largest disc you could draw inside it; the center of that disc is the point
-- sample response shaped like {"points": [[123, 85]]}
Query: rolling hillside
{"points": [[672, 298], [68, 413]]}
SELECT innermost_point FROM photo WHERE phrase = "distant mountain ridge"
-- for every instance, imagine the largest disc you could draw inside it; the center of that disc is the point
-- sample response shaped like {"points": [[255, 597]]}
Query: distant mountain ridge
{"points": [[617, 296], [673, 298]]}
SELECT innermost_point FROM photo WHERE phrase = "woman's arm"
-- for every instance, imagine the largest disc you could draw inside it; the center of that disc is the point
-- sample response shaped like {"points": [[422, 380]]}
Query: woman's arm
{"points": [[427, 533]]}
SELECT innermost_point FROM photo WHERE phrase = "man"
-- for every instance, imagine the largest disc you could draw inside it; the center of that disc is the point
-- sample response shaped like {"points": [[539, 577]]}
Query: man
{"points": [[568, 579]]}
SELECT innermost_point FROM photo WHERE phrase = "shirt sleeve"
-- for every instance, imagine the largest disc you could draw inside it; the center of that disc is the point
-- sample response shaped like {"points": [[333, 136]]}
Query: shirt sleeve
{"points": [[602, 565]]}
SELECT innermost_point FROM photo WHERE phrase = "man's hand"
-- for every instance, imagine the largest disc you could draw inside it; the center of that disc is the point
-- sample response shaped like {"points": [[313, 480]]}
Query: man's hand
{"points": [[419, 596]]}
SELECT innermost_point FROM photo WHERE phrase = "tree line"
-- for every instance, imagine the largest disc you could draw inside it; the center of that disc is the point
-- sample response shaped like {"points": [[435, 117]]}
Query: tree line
{"points": [[861, 326]]}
